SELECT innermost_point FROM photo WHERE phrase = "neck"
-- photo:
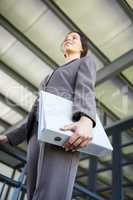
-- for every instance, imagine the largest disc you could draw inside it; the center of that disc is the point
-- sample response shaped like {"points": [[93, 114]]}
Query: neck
{"points": [[70, 57]]}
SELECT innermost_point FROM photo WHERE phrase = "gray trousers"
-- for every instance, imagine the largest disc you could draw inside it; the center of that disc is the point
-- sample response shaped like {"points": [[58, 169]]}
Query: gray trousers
{"points": [[51, 171]]}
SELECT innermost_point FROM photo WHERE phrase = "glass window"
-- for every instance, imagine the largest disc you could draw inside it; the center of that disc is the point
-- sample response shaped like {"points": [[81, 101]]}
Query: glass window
{"points": [[9, 115], [116, 96], [39, 24], [130, 2], [15, 91], [106, 24], [22, 60], [128, 73]]}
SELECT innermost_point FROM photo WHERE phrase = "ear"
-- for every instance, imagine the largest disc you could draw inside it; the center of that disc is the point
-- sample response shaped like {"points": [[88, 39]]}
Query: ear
{"points": [[82, 50]]}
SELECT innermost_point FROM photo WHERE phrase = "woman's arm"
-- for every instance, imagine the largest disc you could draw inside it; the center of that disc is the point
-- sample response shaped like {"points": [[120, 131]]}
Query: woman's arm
{"points": [[84, 106], [19, 135], [15, 136], [84, 94]]}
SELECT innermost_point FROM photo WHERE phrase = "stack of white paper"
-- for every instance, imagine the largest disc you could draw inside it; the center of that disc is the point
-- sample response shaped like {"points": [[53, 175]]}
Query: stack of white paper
{"points": [[54, 113]]}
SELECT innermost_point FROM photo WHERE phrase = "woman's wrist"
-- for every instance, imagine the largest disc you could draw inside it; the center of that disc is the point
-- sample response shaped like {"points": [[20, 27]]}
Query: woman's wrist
{"points": [[86, 120]]}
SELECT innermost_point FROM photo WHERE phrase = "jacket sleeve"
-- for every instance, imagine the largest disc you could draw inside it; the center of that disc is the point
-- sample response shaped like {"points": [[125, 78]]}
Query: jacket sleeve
{"points": [[19, 135], [84, 102]]}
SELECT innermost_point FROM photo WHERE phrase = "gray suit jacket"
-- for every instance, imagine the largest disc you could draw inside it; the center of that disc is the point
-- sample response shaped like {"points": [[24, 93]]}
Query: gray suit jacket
{"points": [[75, 81]]}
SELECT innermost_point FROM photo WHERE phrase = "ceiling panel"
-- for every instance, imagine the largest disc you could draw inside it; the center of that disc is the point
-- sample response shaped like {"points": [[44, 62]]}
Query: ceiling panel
{"points": [[44, 29], [116, 96], [9, 115], [21, 59], [48, 33], [6, 5], [113, 36], [119, 44], [128, 73], [15, 91], [22, 13], [6, 40], [130, 2]]}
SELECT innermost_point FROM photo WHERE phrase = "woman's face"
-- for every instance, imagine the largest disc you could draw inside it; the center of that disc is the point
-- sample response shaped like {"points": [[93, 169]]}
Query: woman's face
{"points": [[72, 43]]}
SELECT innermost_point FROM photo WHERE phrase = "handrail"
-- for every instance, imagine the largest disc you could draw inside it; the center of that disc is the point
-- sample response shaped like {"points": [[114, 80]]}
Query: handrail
{"points": [[13, 183]]}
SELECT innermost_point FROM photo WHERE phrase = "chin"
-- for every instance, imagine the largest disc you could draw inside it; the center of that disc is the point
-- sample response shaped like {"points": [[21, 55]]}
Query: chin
{"points": [[69, 49]]}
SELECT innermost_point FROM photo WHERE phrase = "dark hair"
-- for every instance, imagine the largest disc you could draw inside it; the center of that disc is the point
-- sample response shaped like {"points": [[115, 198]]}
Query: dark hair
{"points": [[84, 43]]}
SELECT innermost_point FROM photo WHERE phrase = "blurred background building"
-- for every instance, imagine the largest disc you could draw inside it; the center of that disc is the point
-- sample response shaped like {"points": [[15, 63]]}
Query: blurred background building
{"points": [[31, 32]]}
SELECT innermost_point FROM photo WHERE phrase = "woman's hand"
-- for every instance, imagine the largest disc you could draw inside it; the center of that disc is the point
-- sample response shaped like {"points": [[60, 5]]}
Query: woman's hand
{"points": [[82, 135], [3, 139]]}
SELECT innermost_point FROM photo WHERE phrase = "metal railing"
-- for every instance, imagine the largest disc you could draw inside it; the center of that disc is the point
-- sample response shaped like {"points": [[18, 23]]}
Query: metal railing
{"points": [[90, 192]]}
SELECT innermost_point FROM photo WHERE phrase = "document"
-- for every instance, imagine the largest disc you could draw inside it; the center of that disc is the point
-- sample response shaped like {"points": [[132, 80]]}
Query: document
{"points": [[54, 113]]}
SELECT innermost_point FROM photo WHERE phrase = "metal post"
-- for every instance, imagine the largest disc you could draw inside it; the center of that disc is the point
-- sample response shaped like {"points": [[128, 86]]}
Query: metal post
{"points": [[117, 193], [17, 191], [92, 174], [9, 186]]}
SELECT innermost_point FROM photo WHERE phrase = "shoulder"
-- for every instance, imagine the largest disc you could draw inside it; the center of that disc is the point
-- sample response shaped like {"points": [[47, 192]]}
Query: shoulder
{"points": [[88, 63], [88, 60], [44, 81], [88, 66]]}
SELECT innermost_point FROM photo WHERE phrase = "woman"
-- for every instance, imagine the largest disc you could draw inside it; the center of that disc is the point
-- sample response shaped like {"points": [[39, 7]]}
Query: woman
{"points": [[52, 169]]}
